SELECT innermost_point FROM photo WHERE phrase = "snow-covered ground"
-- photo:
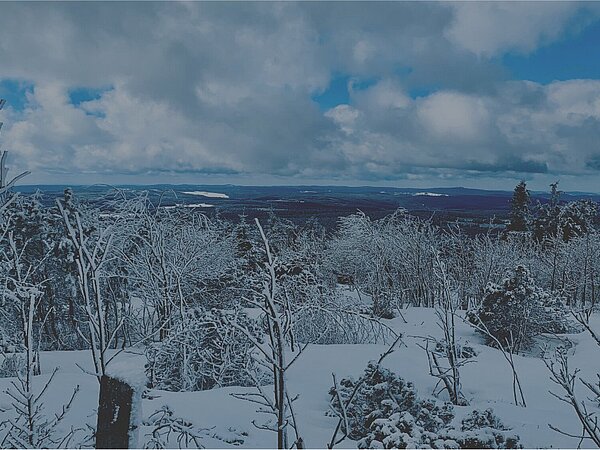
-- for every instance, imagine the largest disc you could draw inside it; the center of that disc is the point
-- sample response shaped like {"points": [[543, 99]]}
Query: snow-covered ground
{"points": [[487, 382], [429, 194], [189, 205], [207, 194]]}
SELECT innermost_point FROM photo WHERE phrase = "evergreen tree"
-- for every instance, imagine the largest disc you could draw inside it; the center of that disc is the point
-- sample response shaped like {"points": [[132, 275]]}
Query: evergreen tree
{"points": [[565, 221], [554, 195], [546, 222], [519, 213], [577, 218], [517, 310]]}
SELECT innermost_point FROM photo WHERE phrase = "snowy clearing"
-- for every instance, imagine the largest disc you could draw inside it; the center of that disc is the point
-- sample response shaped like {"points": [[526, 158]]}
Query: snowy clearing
{"points": [[486, 383], [429, 194], [189, 205], [206, 194]]}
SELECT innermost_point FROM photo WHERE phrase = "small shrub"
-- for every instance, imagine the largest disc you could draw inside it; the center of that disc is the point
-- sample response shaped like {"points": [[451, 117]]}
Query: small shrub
{"points": [[12, 365], [382, 393], [331, 318], [485, 430], [518, 310], [462, 351], [204, 351], [386, 412]]}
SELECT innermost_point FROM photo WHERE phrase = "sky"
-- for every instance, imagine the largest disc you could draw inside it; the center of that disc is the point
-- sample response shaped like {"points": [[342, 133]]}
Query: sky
{"points": [[419, 94]]}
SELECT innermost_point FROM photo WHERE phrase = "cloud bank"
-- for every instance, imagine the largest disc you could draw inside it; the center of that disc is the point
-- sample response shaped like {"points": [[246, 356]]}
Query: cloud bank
{"points": [[226, 91]]}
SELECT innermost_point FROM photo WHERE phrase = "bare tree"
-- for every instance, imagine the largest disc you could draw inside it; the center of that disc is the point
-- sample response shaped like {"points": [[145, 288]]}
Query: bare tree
{"points": [[30, 428], [390, 259], [278, 318], [566, 379], [446, 312], [91, 256], [173, 259], [458, 252]]}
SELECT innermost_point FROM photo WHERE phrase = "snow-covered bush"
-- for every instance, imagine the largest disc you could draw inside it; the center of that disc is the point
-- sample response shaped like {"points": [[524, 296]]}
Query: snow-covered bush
{"points": [[517, 310], [12, 365], [330, 317], [389, 259], [483, 429], [386, 412], [382, 394], [204, 351], [400, 430], [403, 430]]}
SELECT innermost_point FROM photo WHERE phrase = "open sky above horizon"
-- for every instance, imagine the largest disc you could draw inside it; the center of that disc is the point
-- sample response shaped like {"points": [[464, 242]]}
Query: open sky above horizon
{"points": [[475, 94]]}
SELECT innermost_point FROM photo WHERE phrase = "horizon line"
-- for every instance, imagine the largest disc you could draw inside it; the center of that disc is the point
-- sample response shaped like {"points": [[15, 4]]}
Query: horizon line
{"points": [[117, 185]]}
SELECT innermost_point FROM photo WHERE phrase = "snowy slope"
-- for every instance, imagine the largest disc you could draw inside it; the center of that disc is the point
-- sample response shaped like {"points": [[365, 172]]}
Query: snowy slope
{"points": [[486, 383]]}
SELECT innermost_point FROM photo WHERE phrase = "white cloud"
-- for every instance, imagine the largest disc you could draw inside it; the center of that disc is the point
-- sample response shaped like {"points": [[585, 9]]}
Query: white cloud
{"points": [[523, 127], [451, 115], [488, 28], [385, 94], [576, 98], [344, 116]]}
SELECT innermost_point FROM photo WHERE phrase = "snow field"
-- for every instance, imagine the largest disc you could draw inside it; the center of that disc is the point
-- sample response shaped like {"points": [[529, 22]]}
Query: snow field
{"points": [[486, 383]]}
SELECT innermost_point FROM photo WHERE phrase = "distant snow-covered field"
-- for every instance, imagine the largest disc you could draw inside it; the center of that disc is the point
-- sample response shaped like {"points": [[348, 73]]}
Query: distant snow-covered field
{"points": [[206, 194]]}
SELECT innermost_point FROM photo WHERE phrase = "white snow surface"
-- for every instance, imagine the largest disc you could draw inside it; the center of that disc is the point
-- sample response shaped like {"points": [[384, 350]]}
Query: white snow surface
{"points": [[486, 383], [206, 194], [199, 205], [429, 194], [189, 205]]}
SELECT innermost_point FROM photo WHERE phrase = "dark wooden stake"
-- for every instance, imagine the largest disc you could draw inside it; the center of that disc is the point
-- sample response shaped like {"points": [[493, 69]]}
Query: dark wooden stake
{"points": [[114, 414]]}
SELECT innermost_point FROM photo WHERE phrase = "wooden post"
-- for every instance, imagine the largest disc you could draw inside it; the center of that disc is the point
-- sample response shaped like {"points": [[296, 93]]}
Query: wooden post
{"points": [[115, 425]]}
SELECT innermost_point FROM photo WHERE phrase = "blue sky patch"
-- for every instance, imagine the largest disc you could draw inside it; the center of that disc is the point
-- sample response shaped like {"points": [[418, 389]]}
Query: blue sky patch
{"points": [[337, 92], [577, 56], [422, 91], [81, 95], [15, 93]]}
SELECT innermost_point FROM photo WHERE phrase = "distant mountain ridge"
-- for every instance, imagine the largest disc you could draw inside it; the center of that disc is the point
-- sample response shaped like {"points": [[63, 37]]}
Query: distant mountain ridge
{"points": [[286, 189], [326, 203]]}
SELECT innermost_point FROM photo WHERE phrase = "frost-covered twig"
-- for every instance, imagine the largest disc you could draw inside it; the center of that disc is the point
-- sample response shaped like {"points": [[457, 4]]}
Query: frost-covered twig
{"points": [[583, 317], [164, 424], [5, 183], [562, 375], [507, 351]]}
